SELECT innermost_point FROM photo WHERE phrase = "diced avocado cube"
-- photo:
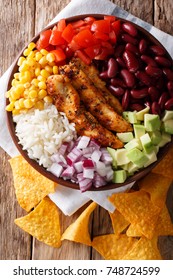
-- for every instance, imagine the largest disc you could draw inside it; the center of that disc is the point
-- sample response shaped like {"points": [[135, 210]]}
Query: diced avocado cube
{"points": [[132, 167], [125, 136], [125, 115], [138, 157], [156, 149], [134, 143], [119, 176], [152, 122], [125, 166], [130, 116], [166, 138], [140, 114], [146, 143], [139, 130], [168, 115], [151, 158], [168, 126], [155, 136], [112, 153], [122, 157]]}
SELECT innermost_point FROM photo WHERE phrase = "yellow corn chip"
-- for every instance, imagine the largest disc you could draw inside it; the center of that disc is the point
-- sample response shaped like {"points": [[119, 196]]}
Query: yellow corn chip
{"points": [[78, 231], [134, 231], [119, 223], [164, 225], [144, 249], [157, 186], [30, 186], [43, 223], [137, 208], [165, 166], [113, 247]]}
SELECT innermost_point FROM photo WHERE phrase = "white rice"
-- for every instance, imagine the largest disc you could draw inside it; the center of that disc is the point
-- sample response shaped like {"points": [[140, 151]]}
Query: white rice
{"points": [[41, 133]]}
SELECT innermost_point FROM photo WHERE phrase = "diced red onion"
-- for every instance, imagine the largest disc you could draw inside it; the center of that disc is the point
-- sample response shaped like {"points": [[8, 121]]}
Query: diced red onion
{"points": [[88, 163], [94, 144], [87, 152], [68, 172], [73, 156], [63, 149], [88, 173], [99, 181], [83, 142], [56, 169], [101, 168], [106, 158], [78, 166], [96, 155], [85, 184]]}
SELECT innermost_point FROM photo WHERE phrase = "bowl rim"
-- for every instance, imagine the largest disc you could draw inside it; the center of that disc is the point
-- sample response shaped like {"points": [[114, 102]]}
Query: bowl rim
{"points": [[11, 126]]}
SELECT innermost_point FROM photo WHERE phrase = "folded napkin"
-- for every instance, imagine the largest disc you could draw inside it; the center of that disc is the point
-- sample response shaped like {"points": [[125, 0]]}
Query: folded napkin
{"points": [[69, 200]]}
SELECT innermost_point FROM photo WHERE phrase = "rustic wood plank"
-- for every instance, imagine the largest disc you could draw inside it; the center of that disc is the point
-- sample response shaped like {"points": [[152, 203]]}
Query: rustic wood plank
{"points": [[163, 15], [16, 28]]}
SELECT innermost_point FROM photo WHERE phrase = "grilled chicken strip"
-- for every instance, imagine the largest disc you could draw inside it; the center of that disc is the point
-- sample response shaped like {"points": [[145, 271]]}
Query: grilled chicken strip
{"points": [[94, 100], [92, 72], [67, 100]]}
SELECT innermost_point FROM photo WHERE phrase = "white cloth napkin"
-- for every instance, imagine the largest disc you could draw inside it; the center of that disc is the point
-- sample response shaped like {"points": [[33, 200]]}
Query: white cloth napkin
{"points": [[69, 200]]}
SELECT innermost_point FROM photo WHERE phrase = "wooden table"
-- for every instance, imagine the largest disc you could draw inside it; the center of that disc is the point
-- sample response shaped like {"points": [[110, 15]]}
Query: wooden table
{"points": [[19, 21]]}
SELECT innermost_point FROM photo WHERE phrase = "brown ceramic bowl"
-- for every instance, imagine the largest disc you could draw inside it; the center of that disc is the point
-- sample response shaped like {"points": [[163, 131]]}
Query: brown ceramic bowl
{"points": [[138, 175]]}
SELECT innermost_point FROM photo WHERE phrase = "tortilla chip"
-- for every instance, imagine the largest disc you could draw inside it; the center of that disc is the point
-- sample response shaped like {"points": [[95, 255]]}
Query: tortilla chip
{"points": [[43, 223], [134, 231], [30, 186], [78, 231], [137, 208], [165, 166], [144, 249], [157, 186], [113, 247], [119, 223], [165, 225]]}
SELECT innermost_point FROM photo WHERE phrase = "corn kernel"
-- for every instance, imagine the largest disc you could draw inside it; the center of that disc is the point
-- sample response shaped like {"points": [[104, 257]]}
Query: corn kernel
{"points": [[49, 69], [39, 105], [51, 63], [44, 73], [50, 57], [37, 71], [44, 52], [32, 54], [43, 61], [48, 99], [30, 61], [35, 82], [31, 46], [25, 94], [20, 60], [16, 104], [16, 76], [16, 111], [14, 82], [7, 94], [34, 100], [10, 107], [41, 78], [15, 94], [32, 93], [28, 103], [42, 85], [33, 87], [38, 56], [24, 67], [27, 85], [55, 70], [26, 52], [42, 93], [21, 103], [27, 75]]}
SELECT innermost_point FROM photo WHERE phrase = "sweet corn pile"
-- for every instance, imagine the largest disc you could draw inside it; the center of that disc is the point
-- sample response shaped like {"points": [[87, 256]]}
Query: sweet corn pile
{"points": [[29, 83]]}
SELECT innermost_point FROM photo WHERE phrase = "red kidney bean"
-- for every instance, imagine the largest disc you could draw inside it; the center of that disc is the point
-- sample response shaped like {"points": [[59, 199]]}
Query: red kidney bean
{"points": [[159, 83], [117, 82], [131, 61], [169, 73], [104, 75], [119, 50], [129, 39], [153, 71], [132, 48], [128, 77], [155, 108], [157, 50], [126, 99], [121, 62], [139, 93], [170, 85], [153, 93], [143, 46], [144, 78], [148, 60], [163, 61], [169, 104], [162, 100], [117, 91], [112, 68], [136, 107], [130, 29]]}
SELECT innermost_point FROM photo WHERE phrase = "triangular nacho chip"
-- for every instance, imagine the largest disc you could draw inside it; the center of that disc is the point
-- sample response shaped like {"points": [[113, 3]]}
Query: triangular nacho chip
{"points": [[43, 223], [78, 231], [119, 223], [165, 166], [30, 186], [164, 225], [134, 231], [113, 247]]}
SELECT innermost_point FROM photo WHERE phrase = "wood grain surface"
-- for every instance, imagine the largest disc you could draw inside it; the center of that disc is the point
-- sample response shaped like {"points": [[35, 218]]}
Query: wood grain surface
{"points": [[19, 22]]}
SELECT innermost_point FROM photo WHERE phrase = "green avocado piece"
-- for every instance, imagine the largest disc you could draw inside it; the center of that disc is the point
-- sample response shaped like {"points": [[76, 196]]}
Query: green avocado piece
{"points": [[139, 130], [155, 136], [151, 158], [125, 136], [112, 153], [168, 126], [119, 176], [152, 122], [166, 138], [140, 114], [146, 143], [168, 115], [122, 157], [134, 143], [137, 157]]}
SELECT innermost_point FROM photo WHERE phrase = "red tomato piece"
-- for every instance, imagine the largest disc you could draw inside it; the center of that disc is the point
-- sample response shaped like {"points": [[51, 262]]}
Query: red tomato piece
{"points": [[50, 48], [112, 37], [92, 51], [69, 52], [68, 33], [101, 36], [84, 38], [61, 25], [116, 25], [103, 54], [74, 46], [77, 23], [44, 38], [101, 25], [110, 18], [89, 20], [56, 38], [83, 57], [59, 55]]}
